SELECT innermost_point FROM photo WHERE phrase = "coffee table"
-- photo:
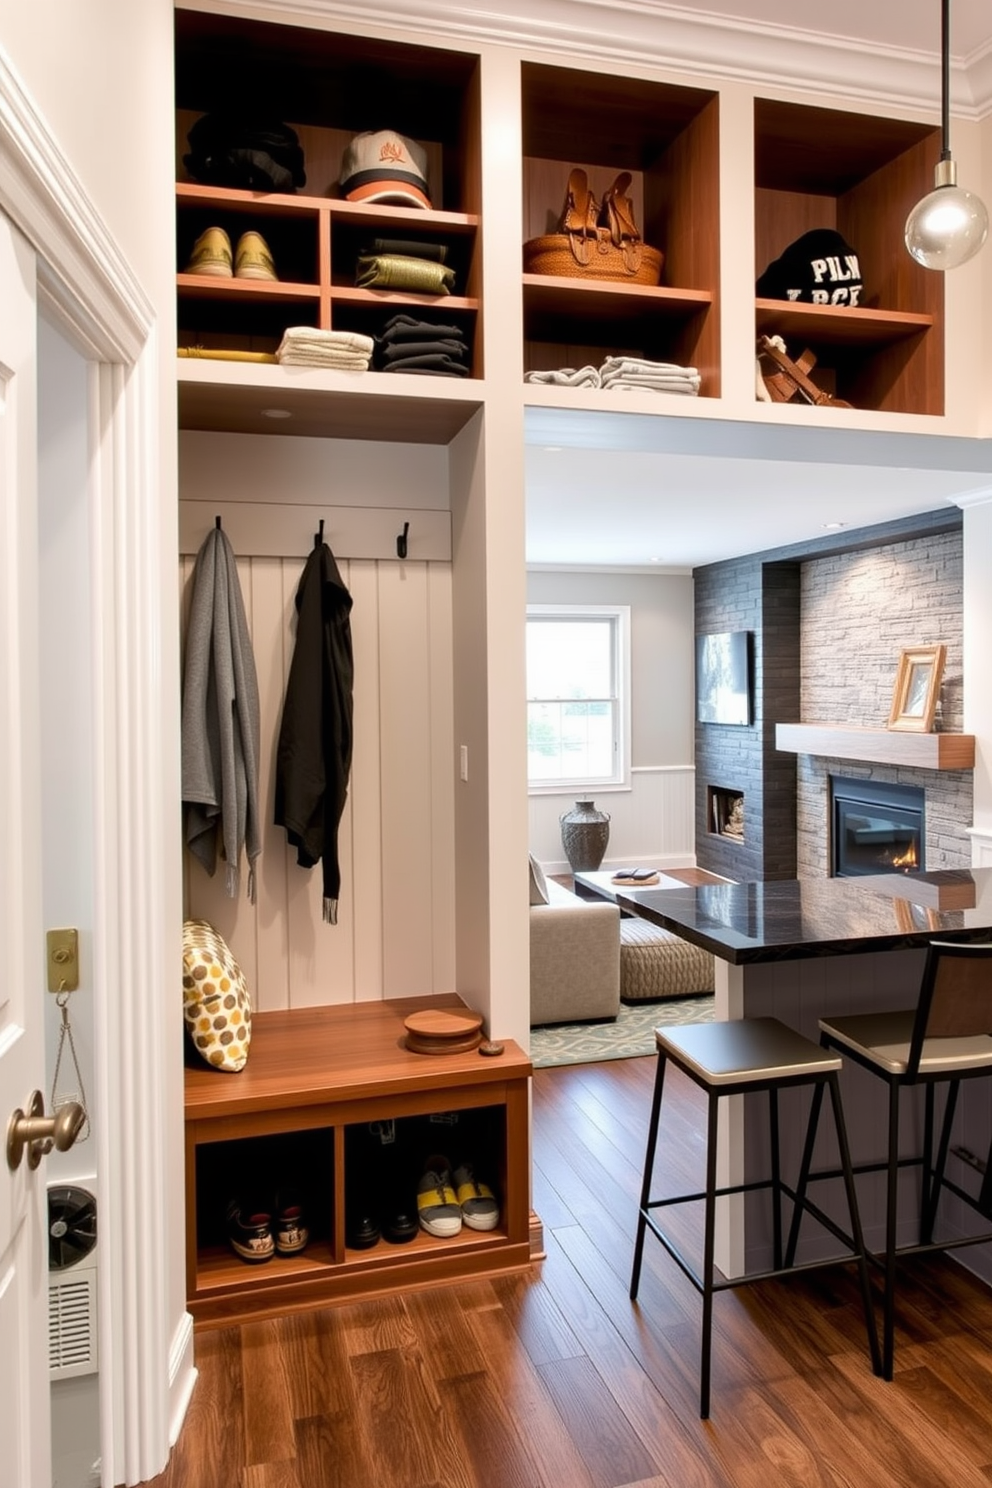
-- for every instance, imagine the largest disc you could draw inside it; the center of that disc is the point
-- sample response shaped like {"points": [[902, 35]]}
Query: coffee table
{"points": [[598, 883], [654, 964]]}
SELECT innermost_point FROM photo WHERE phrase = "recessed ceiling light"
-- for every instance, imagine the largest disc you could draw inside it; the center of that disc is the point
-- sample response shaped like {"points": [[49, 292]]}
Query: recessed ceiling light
{"points": [[552, 449], [654, 560], [276, 413], [833, 526]]}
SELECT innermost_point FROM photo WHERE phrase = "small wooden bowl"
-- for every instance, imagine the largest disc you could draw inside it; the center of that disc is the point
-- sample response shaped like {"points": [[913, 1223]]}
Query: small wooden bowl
{"points": [[443, 1031]]}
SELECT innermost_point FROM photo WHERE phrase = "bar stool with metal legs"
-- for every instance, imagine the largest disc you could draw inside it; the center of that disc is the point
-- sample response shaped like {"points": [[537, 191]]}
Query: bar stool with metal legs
{"points": [[752, 1054], [946, 1038]]}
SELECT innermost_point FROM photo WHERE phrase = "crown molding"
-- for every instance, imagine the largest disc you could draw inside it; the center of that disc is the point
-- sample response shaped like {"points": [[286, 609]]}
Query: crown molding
{"points": [[981, 496], [83, 278], [645, 36]]}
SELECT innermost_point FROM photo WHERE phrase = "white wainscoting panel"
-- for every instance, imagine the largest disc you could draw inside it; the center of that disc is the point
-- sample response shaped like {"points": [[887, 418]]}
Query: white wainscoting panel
{"points": [[395, 930], [981, 847], [652, 825]]}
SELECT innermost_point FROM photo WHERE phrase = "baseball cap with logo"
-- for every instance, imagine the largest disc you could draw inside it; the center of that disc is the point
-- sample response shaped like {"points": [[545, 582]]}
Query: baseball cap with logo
{"points": [[383, 166], [819, 268]]}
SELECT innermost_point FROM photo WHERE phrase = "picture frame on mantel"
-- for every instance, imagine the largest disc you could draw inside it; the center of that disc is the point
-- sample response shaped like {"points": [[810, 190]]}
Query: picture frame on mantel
{"points": [[914, 701]]}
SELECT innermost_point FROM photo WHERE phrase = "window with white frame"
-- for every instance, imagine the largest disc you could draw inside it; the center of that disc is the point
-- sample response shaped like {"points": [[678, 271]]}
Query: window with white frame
{"points": [[578, 696]]}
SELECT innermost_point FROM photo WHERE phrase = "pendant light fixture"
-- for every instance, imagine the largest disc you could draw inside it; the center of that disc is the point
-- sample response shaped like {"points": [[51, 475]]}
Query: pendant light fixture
{"points": [[949, 225]]}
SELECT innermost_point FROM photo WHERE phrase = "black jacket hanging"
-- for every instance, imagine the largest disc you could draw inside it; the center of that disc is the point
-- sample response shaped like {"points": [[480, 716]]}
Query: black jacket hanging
{"points": [[313, 758]]}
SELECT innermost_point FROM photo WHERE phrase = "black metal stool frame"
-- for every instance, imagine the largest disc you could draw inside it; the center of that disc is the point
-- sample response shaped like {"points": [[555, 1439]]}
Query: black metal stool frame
{"points": [[934, 1176], [705, 1282]]}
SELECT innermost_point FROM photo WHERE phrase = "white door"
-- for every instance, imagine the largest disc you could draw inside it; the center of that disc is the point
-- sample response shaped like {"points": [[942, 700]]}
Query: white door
{"points": [[24, 1386]]}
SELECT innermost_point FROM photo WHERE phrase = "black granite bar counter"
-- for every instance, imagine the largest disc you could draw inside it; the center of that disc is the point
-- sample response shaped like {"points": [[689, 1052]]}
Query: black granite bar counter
{"points": [[795, 919]]}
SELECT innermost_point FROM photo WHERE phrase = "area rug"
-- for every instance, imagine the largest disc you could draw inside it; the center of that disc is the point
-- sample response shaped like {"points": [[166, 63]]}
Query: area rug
{"points": [[632, 1033]]}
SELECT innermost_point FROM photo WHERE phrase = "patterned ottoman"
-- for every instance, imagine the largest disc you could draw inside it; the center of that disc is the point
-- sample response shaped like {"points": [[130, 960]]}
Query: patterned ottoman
{"points": [[654, 964]]}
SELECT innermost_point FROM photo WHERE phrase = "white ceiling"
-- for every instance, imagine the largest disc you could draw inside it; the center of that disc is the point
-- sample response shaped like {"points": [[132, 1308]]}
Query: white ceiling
{"points": [[608, 490], [686, 505]]}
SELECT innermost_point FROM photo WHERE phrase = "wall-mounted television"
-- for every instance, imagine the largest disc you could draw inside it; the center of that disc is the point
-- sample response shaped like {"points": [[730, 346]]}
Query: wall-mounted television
{"points": [[723, 677]]}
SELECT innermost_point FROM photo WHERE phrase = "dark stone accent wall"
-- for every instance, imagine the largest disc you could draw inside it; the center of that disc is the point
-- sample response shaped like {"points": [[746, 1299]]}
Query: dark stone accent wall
{"points": [[763, 598], [908, 593]]}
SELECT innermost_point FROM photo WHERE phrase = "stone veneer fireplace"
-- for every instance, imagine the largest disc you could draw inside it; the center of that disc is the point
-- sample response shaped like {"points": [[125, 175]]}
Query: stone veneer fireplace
{"points": [[828, 620], [876, 827]]}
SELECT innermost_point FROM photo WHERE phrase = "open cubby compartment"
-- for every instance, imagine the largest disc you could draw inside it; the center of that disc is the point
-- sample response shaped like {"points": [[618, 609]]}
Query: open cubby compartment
{"points": [[368, 313], [725, 809], [255, 1170], [353, 234], [385, 1159], [330, 87], [250, 322], [860, 175], [667, 137], [290, 230]]}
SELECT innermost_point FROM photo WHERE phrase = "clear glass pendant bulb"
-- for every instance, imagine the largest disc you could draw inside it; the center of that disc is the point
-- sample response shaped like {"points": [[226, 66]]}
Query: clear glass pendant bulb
{"points": [[947, 227]]}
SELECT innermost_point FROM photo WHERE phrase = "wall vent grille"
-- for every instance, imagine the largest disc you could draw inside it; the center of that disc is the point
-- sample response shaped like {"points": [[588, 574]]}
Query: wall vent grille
{"points": [[72, 1324]]}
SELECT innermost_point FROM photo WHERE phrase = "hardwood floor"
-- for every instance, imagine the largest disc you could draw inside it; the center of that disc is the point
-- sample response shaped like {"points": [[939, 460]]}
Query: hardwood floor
{"points": [[553, 1379]]}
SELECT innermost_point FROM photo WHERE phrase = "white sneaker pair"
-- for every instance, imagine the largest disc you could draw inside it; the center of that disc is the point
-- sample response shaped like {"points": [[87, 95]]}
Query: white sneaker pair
{"points": [[446, 1201]]}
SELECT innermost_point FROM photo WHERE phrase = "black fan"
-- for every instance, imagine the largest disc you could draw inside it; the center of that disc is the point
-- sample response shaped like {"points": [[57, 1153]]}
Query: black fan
{"points": [[71, 1226]]}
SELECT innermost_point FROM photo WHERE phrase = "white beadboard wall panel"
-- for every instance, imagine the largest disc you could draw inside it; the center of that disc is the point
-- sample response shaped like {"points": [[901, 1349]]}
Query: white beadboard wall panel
{"points": [[395, 930], [406, 743], [364, 793], [444, 776], [272, 591], [651, 825]]}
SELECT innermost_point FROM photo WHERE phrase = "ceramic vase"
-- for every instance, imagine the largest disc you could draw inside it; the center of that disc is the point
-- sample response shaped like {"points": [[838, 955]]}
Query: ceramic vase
{"points": [[584, 835]]}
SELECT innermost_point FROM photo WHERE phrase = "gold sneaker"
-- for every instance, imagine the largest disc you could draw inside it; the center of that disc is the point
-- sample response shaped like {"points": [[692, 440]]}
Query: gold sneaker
{"points": [[253, 259], [211, 254]]}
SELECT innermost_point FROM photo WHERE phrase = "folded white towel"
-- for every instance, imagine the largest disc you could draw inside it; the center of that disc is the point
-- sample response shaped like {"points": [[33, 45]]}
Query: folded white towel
{"points": [[566, 377], [340, 340], [642, 379], [638, 364], [650, 387]]}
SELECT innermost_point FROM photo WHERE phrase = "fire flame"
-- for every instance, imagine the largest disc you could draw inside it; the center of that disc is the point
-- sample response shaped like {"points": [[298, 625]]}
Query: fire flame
{"points": [[908, 860]]}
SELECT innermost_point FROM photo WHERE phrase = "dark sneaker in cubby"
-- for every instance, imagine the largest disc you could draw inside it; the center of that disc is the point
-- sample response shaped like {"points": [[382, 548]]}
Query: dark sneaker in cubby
{"points": [[291, 1231], [249, 1229]]}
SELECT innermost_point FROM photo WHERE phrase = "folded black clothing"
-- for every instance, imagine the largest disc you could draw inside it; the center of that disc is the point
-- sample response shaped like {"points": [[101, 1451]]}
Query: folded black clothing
{"points": [[407, 248], [246, 170], [219, 143], [427, 371], [406, 328], [444, 346], [437, 362]]}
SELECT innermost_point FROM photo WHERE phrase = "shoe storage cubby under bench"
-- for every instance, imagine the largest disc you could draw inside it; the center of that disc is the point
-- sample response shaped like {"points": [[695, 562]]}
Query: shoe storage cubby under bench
{"points": [[312, 1073]]}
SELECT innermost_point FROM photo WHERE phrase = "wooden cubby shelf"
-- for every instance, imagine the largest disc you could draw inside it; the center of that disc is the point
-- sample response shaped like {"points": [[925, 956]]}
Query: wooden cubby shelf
{"points": [[859, 175], [312, 1075], [667, 137], [328, 87]]}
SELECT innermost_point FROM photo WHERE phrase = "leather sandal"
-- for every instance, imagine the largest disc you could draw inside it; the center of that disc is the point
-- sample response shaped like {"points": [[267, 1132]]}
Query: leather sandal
{"points": [[579, 215], [617, 217], [791, 377]]}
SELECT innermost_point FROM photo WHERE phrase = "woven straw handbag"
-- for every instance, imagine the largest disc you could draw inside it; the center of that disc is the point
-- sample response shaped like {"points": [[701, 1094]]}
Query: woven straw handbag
{"points": [[595, 241]]}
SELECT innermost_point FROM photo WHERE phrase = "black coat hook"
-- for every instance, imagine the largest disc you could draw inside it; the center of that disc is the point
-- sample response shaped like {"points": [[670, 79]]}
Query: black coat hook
{"points": [[217, 523], [318, 536], [401, 541]]}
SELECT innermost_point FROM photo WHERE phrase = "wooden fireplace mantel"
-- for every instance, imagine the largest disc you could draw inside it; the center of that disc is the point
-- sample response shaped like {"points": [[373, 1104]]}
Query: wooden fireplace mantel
{"points": [[878, 746]]}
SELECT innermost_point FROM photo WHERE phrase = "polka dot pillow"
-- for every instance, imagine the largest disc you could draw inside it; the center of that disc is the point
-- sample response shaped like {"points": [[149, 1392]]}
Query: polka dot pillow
{"points": [[216, 1004]]}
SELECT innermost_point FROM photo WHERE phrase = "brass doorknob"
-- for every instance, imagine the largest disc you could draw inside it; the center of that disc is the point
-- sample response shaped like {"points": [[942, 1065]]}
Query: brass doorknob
{"points": [[40, 1133]]}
